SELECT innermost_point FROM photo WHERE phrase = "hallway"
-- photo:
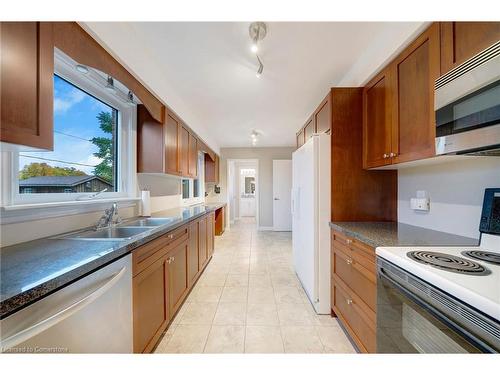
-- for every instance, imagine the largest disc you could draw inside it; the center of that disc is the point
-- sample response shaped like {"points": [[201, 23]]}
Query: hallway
{"points": [[249, 300]]}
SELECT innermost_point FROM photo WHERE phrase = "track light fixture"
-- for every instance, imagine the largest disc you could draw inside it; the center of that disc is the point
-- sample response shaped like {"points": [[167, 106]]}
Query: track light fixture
{"points": [[110, 85], [257, 32]]}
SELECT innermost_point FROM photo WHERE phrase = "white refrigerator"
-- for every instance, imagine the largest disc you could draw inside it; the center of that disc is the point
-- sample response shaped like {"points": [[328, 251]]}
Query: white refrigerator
{"points": [[310, 219]]}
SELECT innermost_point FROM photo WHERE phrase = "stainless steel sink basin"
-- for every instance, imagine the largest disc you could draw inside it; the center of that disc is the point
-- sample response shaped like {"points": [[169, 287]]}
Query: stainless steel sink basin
{"points": [[149, 222], [108, 234]]}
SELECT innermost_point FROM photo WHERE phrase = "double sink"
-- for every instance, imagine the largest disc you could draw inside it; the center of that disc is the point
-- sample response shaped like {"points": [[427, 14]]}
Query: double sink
{"points": [[122, 232]]}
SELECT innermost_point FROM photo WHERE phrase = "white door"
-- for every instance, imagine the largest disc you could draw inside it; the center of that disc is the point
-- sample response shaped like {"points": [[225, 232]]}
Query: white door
{"points": [[282, 187]]}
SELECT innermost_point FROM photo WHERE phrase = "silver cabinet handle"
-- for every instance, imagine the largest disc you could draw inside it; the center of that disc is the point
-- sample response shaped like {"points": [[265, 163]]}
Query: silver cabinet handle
{"points": [[349, 301], [385, 156], [393, 154], [276, 199], [170, 236], [349, 261], [45, 324], [348, 241]]}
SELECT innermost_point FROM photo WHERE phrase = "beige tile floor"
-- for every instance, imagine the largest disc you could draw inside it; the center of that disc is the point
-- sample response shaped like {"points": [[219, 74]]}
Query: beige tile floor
{"points": [[249, 300]]}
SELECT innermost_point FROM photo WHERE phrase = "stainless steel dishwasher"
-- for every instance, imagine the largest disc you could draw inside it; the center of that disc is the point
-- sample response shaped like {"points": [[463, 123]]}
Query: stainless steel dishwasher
{"points": [[91, 315]]}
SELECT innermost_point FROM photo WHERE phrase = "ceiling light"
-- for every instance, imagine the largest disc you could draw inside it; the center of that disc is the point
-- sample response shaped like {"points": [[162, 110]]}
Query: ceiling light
{"points": [[82, 69], [110, 83], [257, 32]]}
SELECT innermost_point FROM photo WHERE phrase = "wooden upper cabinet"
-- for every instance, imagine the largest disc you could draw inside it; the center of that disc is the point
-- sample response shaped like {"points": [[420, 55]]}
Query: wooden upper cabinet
{"points": [[462, 40], [323, 115], [183, 151], [377, 125], [193, 156], [300, 138], [171, 145], [413, 121], [150, 144], [309, 128], [212, 169], [26, 90]]}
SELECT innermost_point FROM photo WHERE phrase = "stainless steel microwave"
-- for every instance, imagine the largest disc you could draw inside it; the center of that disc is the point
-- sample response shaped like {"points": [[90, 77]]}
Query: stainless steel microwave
{"points": [[467, 106]]}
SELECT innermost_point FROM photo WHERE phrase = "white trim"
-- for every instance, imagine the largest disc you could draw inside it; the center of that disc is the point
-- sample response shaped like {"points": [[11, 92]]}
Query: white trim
{"points": [[201, 184], [14, 214], [257, 187], [127, 177]]}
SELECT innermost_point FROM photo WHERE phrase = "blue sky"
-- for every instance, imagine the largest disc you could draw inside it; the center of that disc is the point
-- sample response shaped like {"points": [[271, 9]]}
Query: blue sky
{"points": [[75, 113]]}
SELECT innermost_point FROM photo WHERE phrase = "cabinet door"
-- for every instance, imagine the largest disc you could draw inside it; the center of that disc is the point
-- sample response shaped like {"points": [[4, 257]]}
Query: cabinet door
{"points": [[309, 129], [300, 138], [415, 71], [377, 121], [193, 156], [202, 242], [150, 299], [183, 151], [171, 145], [323, 116], [177, 262], [210, 234], [217, 180], [150, 144], [462, 40], [193, 265], [26, 90]]}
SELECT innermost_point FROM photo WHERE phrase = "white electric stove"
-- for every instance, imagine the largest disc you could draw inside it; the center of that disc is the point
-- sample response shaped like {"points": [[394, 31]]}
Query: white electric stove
{"points": [[464, 276], [442, 299]]}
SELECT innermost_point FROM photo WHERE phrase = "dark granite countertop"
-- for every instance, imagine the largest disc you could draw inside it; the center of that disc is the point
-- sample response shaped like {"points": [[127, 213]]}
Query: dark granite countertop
{"points": [[31, 270], [378, 234]]}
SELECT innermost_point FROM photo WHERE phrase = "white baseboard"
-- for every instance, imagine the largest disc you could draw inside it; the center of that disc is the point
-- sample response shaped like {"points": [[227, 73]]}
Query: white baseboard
{"points": [[266, 228]]}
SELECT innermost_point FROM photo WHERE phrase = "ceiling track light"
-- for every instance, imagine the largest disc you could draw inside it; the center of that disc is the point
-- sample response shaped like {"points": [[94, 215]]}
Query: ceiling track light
{"points": [[257, 32]]}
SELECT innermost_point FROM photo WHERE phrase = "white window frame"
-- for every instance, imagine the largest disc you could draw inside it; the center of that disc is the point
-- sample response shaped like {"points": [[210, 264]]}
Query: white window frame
{"points": [[201, 180], [126, 149]]}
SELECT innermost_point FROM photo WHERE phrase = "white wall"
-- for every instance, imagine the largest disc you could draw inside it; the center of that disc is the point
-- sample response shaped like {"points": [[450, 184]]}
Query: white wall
{"points": [[265, 156], [456, 192]]}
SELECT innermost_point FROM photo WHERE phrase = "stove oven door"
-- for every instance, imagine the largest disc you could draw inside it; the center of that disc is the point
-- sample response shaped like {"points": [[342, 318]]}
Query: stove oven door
{"points": [[407, 324]]}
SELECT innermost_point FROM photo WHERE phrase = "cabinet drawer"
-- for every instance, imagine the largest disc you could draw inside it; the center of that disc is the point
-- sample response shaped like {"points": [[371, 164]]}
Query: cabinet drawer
{"points": [[147, 254], [358, 247], [353, 314]]}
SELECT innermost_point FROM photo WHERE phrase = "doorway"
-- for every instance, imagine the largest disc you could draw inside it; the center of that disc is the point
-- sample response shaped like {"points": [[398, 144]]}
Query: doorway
{"points": [[243, 191]]}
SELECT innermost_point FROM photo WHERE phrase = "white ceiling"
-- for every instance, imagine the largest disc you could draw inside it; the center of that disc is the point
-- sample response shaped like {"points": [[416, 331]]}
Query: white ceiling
{"points": [[206, 73]]}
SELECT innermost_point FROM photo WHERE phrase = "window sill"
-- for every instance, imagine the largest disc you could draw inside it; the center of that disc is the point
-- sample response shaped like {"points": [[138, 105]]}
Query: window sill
{"points": [[68, 203], [40, 211]]}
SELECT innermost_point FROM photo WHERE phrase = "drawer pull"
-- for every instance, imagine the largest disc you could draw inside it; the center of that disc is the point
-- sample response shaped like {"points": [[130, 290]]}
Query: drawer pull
{"points": [[348, 241], [348, 261], [170, 259], [170, 236], [349, 301]]}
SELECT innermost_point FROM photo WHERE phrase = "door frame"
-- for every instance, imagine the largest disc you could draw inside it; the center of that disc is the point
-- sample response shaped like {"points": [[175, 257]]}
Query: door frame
{"points": [[231, 181]]}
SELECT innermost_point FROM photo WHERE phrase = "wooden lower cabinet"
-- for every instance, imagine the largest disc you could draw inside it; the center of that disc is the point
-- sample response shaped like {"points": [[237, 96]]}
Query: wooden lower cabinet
{"points": [[164, 271], [354, 289], [177, 276], [193, 260], [210, 234], [220, 221], [150, 299]]}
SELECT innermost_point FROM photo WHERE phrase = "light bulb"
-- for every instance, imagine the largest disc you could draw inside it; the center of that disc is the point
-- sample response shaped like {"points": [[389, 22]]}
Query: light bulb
{"points": [[254, 48], [257, 75]]}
